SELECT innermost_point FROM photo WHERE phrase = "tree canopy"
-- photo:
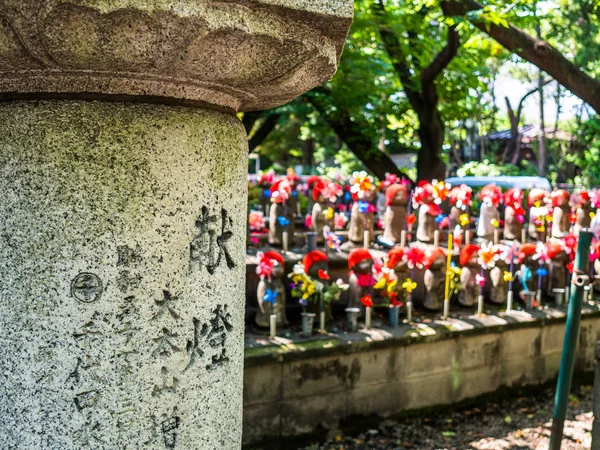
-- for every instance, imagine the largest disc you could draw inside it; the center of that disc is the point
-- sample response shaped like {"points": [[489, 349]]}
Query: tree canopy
{"points": [[418, 78]]}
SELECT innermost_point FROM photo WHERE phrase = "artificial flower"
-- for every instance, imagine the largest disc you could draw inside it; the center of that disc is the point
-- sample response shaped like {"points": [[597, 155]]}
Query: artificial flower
{"points": [[440, 191], [367, 301], [265, 265], [394, 302], [361, 183], [460, 196], [464, 220], [410, 220], [508, 277], [572, 218], [409, 285], [414, 256], [256, 220], [331, 191], [570, 244], [495, 223], [488, 255], [542, 272], [541, 253]]}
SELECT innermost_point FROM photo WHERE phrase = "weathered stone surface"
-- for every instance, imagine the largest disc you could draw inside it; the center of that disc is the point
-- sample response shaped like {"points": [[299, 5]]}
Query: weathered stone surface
{"points": [[323, 389], [232, 54], [121, 315]]}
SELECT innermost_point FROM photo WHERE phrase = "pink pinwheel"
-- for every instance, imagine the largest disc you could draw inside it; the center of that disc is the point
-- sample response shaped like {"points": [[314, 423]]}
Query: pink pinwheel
{"points": [[339, 221], [480, 280], [333, 240]]}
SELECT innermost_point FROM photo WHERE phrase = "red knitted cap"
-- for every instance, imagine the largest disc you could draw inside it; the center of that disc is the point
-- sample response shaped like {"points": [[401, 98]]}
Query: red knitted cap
{"points": [[312, 257], [467, 253], [274, 255], [358, 255], [391, 192]]}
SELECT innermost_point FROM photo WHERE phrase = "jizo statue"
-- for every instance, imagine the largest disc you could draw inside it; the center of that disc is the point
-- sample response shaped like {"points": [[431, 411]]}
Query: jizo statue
{"points": [[561, 223], [360, 263], [396, 200], [470, 269], [583, 208], [514, 214], [538, 211], [461, 199], [489, 218], [279, 216], [434, 278], [271, 290]]}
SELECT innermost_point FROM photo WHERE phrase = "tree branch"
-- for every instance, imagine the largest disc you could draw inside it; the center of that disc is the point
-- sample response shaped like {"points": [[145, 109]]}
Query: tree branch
{"points": [[398, 57], [537, 51], [265, 128], [442, 59], [349, 131]]}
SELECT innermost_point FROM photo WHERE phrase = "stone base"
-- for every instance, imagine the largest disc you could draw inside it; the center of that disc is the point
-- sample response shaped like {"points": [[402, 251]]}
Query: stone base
{"points": [[300, 385], [121, 276]]}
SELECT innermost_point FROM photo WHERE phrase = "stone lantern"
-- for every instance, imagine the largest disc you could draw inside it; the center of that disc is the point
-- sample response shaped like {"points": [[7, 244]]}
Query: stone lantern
{"points": [[123, 208]]}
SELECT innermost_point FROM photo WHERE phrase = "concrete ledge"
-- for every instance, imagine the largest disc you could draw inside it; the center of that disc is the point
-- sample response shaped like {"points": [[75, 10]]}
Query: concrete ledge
{"points": [[299, 385]]}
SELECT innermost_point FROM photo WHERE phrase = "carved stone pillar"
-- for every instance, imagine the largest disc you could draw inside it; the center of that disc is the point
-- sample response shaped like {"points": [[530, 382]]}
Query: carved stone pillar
{"points": [[123, 210]]}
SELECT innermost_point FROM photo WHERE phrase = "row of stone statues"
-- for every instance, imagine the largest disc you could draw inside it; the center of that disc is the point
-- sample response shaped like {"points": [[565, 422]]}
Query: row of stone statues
{"points": [[554, 214], [535, 271]]}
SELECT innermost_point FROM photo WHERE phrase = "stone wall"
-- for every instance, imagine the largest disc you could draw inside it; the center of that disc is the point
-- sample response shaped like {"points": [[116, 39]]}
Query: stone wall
{"points": [[319, 383]]}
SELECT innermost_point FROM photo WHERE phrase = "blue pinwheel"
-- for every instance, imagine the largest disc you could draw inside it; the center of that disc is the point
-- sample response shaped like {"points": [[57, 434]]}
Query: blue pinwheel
{"points": [[440, 217], [363, 207], [270, 296]]}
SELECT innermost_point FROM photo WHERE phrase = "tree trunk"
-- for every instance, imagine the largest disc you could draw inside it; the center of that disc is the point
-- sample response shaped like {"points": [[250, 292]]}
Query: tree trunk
{"points": [[308, 150], [431, 134]]}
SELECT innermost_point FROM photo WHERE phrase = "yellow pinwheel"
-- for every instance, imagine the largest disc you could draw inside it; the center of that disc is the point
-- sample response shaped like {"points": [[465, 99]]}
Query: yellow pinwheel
{"points": [[409, 285]]}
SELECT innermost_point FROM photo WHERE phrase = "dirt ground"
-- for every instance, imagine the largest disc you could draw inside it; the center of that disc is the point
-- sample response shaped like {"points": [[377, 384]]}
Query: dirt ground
{"points": [[513, 423]]}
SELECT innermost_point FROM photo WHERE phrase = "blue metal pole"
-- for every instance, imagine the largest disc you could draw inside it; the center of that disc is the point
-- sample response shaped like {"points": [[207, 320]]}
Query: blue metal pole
{"points": [[565, 374]]}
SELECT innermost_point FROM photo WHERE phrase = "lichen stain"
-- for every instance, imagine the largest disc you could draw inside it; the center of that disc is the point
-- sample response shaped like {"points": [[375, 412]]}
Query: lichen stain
{"points": [[348, 375]]}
